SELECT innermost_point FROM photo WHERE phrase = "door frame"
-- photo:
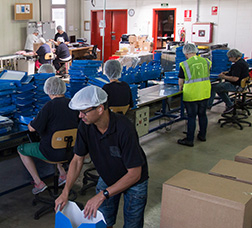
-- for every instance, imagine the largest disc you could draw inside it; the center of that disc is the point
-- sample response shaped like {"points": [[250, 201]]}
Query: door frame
{"points": [[155, 24]]}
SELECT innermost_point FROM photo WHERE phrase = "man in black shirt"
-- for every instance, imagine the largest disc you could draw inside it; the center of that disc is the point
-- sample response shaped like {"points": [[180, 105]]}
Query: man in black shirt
{"points": [[233, 77], [62, 34], [113, 145], [54, 116]]}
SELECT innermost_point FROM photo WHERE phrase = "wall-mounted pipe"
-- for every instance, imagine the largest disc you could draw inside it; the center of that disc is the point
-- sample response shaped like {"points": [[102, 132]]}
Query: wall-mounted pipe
{"points": [[197, 15]]}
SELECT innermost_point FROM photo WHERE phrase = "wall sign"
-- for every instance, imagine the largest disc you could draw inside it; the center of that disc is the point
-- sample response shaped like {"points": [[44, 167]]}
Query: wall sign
{"points": [[188, 15], [214, 10], [23, 11]]}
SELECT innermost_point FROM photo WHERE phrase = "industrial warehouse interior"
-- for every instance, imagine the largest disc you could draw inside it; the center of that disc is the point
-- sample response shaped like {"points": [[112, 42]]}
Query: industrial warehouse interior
{"points": [[70, 69]]}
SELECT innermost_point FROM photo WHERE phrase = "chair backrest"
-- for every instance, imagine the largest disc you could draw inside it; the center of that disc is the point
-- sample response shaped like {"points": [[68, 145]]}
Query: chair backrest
{"points": [[245, 82], [64, 139], [94, 51], [119, 109], [49, 56]]}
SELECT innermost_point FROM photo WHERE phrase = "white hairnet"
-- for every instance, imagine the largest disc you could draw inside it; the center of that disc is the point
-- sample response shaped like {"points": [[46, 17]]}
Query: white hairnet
{"points": [[42, 40], [234, 53], [47, 68], [113, 69], [59, 27], [89, 96], [36, 31], [54, 86], [60, 39], [189, 48]]}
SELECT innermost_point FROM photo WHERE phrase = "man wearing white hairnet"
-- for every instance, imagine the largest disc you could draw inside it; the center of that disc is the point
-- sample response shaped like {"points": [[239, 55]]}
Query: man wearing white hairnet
{"points": [[119, 93], [113, 145], [54, 116], [62, 53], [61, 33], [195, 82], [30, 39]]}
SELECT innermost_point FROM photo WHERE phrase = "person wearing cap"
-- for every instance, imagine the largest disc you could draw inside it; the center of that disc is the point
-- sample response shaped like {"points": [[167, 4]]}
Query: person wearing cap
{"points": [[62, 34], [30, 39], [239, 70], [62, 53], [51, 118], [113, 145], [195, 83], [41, 52], [119, 93]]}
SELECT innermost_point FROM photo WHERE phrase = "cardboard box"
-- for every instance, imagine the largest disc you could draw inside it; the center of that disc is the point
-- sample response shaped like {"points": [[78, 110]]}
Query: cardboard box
{"points": [[233, 170], [196, 200], [72, 217], [132, 39], [147, 46], [245, 155]]}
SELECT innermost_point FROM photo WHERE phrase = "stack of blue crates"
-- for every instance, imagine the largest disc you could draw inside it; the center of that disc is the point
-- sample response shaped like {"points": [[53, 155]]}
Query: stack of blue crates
{"points": [[180, 57], [220, 61], [7, 107], [249, 61], [5, 124], [39, 96], [99, 81], [171, 77], [80, 72], [24, 99], [135, 96]]}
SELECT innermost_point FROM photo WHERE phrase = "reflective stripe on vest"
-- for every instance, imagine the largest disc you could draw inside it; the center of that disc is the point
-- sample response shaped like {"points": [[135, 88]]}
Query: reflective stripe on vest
{"points": [[190, 80]]}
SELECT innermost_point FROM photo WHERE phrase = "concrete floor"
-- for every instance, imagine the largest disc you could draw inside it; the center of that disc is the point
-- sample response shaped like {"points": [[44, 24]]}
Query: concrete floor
{"points": [[165, 158]]}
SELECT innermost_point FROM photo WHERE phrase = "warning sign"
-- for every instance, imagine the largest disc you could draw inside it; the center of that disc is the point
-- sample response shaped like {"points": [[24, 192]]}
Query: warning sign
{"points": [[188, 15], [214, 10]]}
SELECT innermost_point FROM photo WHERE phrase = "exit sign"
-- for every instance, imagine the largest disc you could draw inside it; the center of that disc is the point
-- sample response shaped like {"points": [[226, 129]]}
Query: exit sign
{"points": [[164, 4]]}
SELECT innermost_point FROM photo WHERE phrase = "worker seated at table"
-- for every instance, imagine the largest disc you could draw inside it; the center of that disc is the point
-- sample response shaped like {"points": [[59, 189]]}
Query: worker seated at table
{"points": [[194, 80], [30, 39], [239, 70], [62, 54], [43, 49], [54, 116], [62, 34], [119, 93], [47, 68]]}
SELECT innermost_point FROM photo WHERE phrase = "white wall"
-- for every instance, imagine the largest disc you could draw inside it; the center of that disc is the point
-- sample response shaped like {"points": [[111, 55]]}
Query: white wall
{"points": [[232, 25]]}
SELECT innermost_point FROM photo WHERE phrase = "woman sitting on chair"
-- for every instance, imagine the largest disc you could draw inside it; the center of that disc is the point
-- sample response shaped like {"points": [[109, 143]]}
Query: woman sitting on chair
{"points": [[62, 54], [119, 93], [41, 52], [54, 116]]}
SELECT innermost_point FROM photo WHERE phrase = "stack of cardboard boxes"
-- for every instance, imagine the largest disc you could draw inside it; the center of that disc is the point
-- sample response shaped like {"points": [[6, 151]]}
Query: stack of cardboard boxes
{"points": [[223, 199]]}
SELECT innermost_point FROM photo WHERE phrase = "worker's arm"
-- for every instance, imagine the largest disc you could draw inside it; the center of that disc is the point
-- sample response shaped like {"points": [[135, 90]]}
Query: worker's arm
{"points": [[223, 75], [30, 128], [72, 174], [130, 178], [181, 83]]}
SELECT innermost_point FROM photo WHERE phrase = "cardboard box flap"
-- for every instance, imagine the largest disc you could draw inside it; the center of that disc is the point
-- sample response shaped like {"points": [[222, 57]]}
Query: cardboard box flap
{"points": [[233, 170], [212, 185], [247, 152]]}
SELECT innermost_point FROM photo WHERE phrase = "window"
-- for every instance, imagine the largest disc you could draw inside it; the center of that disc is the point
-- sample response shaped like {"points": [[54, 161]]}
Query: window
{"points": [[59, 13]]}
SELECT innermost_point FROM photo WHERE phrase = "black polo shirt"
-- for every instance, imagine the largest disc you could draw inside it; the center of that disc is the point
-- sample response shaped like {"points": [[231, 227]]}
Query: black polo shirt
{"points": [[113, 152], [64, 35], [239, 69]]}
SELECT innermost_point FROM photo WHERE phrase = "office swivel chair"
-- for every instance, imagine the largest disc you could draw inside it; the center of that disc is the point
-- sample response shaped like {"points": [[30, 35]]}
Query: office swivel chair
{"points": [[60, 140], [236, 117], [92, 55], [90, 178]]}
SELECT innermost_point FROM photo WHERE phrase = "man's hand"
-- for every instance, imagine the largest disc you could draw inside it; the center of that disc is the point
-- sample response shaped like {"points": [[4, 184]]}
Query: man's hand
{"points": [[93, 204], [61, 201], [222, 75]]}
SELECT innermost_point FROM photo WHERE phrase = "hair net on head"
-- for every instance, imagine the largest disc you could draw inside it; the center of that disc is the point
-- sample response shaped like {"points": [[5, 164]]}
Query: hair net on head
{"points": [[113, 69], [189, 48], [54, 86], [47, 68], [234, 53], [42, 40], [60, 39], [59, 27], [89, 96], [36, 31]]}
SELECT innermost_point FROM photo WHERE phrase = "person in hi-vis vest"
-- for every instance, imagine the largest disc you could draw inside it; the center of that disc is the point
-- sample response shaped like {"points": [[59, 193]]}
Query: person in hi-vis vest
{"points": [[195, 82]]}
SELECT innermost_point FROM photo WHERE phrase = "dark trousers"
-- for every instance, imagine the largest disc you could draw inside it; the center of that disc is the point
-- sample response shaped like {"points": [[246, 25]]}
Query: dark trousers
{"points": [[194, 109], [57, 64]]}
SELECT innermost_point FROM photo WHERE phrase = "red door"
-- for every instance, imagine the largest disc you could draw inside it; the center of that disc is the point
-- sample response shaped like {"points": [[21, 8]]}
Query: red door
{"points": [[116, 25]]}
